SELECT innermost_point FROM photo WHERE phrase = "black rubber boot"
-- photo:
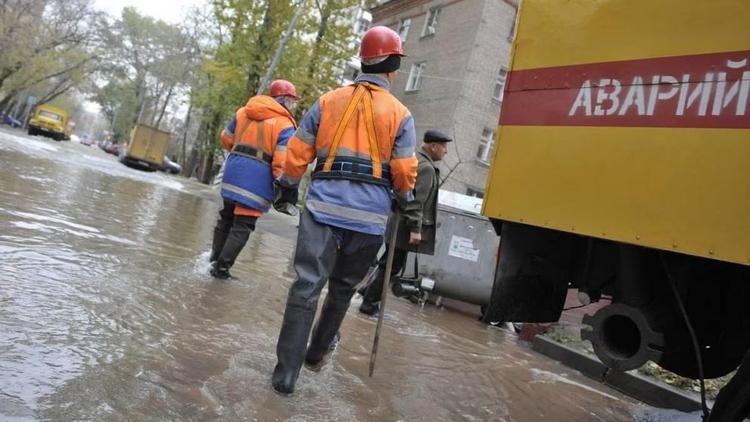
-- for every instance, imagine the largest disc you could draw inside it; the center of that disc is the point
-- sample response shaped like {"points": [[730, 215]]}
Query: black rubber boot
{"points": [[369, 309], [221, 232], [733, 401], [236, 240], [371, 297], [290, 350], [323, 339], [315, 364], [219, 270]]}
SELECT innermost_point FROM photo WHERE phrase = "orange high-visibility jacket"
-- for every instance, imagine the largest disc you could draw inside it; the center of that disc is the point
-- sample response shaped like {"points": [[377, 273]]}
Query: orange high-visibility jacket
{"points": [[364, 140], [256, 139]]}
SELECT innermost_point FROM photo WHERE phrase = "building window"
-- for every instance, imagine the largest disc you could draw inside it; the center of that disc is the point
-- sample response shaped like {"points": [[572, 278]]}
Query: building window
{"points": [[415, 77], [474, 192], [351, 72], [363, 26], [497, 93], [430, 24], [484, 153], [403, 28]]}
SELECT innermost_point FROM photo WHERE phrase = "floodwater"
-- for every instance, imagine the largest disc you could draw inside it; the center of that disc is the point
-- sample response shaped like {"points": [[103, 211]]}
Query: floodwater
{"points": [[107, 313]]}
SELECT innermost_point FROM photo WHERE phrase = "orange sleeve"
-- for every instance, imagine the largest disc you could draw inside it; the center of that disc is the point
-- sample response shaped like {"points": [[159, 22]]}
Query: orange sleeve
{"points": [[298, 156], [227, 140], [279, 159], [404, 161], [404, 174]]}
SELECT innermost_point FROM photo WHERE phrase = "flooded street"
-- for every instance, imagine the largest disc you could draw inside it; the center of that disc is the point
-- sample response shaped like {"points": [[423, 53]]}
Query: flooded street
{"points": [[107, 312]]}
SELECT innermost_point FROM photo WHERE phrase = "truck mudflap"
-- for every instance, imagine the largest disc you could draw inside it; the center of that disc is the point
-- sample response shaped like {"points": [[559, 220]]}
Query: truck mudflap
{"points": [[532, 275], [733, 402]]}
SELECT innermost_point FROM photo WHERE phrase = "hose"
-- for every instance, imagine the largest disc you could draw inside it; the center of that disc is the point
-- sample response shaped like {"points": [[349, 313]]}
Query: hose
{"points": [[693, 337]]}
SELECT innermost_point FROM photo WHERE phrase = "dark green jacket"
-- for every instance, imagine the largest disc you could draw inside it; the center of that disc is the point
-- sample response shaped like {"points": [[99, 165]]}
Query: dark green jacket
{"points": [[422, 214]]}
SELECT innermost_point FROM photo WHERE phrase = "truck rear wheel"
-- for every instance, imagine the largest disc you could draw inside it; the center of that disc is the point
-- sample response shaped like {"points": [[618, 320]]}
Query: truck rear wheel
{"points": [[645, 322]]}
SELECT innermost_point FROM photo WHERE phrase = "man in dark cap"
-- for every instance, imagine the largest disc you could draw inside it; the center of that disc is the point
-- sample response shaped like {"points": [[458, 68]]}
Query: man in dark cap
{"points": [[416, 230]]}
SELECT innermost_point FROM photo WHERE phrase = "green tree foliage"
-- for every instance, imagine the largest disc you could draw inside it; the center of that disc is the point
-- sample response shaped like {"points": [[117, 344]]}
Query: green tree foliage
{"points": [[246, 34], [148, 67], [196, 73], [251, 30], [333, 45]]}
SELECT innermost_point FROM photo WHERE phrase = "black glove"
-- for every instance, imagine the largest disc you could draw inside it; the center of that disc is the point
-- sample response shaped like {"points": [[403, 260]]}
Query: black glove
{"points": [[285, 198]]}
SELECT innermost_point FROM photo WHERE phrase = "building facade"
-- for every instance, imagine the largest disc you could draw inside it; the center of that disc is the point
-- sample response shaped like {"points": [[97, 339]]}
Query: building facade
{"points": [[453, 78], [361, 20]]}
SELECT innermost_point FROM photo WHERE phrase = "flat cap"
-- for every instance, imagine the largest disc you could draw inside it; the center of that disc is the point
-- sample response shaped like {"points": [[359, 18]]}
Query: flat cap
{"points": [[436, 136]]}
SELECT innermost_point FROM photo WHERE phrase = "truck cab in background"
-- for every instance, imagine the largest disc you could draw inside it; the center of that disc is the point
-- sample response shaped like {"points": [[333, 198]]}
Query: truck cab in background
{"points": [[50, 121]]}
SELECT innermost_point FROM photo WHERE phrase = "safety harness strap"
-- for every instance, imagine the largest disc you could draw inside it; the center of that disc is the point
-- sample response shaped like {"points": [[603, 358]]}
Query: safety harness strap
{"points": [[348, 113], [238, 134], [351, 168], [377, 169], [258, 151], [251, 152], [361, 94], [260, 140]]}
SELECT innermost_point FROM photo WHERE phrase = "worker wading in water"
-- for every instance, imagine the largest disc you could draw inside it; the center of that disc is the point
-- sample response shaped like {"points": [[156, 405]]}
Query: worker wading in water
{"points": [[364, 141], [256, 139]]}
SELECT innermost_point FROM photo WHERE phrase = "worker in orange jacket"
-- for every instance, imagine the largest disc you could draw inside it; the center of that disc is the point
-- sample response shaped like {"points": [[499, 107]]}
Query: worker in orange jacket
{"points": [[256, 139], [364, 141]]}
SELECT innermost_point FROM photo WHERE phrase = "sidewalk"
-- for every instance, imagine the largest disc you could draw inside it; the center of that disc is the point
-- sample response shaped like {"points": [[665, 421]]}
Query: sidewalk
{"points": [[643, 388]]}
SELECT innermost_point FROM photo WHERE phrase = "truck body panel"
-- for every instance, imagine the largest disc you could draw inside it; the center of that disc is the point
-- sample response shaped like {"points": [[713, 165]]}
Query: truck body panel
{"points": [[628, 120], [147, 147]]}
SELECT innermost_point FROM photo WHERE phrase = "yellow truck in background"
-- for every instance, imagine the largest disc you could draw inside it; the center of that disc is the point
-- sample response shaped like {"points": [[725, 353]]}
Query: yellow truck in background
{"points": [[50, 121], [146, 148], [622, 169]]}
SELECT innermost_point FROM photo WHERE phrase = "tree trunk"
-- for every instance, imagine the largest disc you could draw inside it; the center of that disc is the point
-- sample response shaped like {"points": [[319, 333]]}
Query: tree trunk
{"points": [[59, 89], [10, 106], [8, 98], [208, 165], [185, 135], [325, 15], [164, 106], [139, 97], [156, 98], [254, 73], [7, 72]]}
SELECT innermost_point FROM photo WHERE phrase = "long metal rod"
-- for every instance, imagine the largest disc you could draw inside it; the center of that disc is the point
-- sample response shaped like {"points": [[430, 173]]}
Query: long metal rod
{"points": [[282, 45], [386, 286]]}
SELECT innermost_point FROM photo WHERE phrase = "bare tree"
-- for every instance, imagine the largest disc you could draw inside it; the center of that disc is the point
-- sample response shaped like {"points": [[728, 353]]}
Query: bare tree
{"points": [[40, 38]]}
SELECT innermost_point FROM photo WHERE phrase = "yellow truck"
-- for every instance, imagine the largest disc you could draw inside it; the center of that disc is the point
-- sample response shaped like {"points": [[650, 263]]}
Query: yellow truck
{"points": [[50, 121], [146, 148], [622, 169]]}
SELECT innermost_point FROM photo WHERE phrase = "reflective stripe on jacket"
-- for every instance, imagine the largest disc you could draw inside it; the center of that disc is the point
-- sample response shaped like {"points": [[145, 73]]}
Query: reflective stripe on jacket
{"points": [[257, 139], [358, 161]]}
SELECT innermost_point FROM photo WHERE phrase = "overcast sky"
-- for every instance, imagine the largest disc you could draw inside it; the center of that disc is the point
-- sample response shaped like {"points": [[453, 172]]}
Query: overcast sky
{"points": [[167, 10]]}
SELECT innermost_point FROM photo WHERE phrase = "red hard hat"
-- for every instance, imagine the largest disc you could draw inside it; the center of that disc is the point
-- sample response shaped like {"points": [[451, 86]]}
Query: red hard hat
{"points": [[280, 87], [380, 41]]}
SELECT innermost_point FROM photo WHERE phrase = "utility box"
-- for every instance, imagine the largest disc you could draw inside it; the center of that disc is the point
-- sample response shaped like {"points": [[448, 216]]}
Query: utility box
{"points": [[146, 148], [466, 247]]}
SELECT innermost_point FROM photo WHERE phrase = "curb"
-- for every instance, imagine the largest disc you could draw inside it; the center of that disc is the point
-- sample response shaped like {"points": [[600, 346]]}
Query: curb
{"points": [[635, 385]]}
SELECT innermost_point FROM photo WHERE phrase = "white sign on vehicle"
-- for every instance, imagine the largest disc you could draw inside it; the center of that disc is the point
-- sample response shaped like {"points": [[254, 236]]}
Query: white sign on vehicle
{"points": [[463, 247]]}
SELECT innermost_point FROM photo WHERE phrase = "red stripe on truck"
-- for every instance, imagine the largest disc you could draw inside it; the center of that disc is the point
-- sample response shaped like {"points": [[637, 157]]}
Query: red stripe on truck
{"points": [[700, 91]]}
